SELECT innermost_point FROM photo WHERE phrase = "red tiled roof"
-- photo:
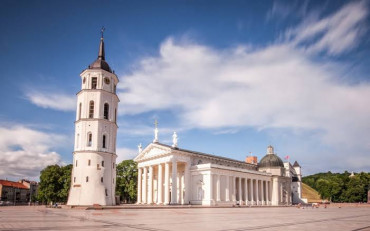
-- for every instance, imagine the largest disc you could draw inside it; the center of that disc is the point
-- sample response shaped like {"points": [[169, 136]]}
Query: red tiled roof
{"points": [[13, 184]]}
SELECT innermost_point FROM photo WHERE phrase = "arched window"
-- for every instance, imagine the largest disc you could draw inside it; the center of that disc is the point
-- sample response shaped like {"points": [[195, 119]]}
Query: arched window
{"points": [[94, 82], [106, 111], [104, 141], [79, 111], [91, 109], [89, 139]]}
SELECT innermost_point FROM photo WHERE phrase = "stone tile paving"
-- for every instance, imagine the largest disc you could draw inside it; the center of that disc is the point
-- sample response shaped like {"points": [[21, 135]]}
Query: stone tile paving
{"points": [[193, 219]]}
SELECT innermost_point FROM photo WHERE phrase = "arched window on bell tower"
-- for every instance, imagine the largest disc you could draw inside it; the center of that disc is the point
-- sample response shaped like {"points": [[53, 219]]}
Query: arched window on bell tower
{"points": [[89, 139], [91, 109], [79, 111], [106, 111], [104, 141]]}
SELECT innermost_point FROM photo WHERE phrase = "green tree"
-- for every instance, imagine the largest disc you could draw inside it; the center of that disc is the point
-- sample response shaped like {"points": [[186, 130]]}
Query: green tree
{"points": [[54, 183], [126, 186]]}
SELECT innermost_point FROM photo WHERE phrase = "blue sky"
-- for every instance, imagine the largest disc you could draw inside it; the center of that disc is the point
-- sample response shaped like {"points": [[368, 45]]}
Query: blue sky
{"points": [[230, 77]]}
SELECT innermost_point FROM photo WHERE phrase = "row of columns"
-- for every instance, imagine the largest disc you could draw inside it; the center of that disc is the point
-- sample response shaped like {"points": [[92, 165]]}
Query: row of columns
{"points": [[254, 192], [169, 194]]}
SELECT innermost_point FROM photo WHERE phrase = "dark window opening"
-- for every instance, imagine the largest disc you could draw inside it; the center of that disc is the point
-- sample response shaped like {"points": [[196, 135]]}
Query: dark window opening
{"points": [[79, 111], [87, 179], [101, 179], [106, 111], [94, 82], [102, 163], [89, 139], [91, 110], [104, 141], [89, 162]]}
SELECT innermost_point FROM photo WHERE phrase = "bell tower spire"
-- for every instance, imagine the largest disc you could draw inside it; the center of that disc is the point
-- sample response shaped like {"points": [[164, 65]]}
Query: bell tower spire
{"points": [[101, 54]]}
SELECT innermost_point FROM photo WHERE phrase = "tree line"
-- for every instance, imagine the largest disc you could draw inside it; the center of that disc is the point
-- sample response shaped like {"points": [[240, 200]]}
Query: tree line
{"points": [[55, 182], [340, 187]]}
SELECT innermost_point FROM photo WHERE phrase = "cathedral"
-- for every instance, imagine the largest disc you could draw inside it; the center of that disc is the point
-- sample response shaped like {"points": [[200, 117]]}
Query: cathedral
{"points": [[166, 174], [172, 175]]}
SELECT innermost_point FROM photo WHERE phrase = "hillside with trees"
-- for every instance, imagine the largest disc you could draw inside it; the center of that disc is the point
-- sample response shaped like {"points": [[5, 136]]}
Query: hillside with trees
{"points": [[340, 187]]}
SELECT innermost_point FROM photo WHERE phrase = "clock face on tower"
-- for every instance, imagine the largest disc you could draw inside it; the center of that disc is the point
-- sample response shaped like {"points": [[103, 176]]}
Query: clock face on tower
{"points": [[106, 81]]}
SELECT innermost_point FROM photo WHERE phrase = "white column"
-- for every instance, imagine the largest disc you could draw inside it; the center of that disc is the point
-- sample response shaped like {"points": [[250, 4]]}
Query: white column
{"points": [[218, 187], [187, 183], [174, 182], [268, 192], [240, 191], [246, 190], [210, 188], [233, 188], [227, 188], [150, 185], [139, 174], [182, 190], [160, 184], [252, 191], [257, 193], [166, 183], [144, 185]]}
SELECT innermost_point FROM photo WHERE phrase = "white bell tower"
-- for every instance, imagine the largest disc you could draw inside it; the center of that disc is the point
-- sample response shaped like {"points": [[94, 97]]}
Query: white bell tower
{"points": [[94, 157]]}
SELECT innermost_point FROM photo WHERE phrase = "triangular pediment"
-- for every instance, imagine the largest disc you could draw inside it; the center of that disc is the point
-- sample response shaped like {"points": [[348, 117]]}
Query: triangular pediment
{"points": [[153, 150]]}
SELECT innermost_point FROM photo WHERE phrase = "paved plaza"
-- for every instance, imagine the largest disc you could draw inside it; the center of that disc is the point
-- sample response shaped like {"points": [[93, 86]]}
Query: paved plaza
{"points": [[289, 218]]}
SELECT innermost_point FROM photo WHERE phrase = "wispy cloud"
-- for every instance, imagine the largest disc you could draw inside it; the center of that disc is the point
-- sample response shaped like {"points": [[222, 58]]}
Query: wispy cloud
{"points": [[334, 34], [25, 151], [52, 100]]}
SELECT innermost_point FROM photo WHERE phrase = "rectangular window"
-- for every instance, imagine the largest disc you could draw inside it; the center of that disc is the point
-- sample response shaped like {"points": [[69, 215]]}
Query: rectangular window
{"points": [[94, 82], [89, 162], [74, 179], [87, 179], [102, 163], [106, 192], [101, 179], [76, 163]]}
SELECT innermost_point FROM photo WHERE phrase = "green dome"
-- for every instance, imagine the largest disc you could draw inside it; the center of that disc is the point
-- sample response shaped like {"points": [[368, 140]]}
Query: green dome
{"points": [[271, 160]]}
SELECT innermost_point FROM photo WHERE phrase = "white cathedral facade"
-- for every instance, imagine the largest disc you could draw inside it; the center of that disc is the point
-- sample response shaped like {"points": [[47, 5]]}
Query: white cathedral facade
{"points": [[171, 175], [166, 174]]}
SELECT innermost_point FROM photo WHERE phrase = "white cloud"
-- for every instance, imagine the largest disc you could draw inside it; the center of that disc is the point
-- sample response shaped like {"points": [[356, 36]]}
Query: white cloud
{"points": [[125, 154], [278, 86], [334, 34], [56, 101], [24, 151]]}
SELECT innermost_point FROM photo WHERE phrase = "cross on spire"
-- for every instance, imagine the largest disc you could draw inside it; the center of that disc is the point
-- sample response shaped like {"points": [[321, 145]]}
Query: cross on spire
{"points": [[102, 31]]}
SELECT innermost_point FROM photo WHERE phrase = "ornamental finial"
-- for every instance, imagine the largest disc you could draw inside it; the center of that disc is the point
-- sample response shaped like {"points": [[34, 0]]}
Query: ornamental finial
{"points": [[155, 132], [174, 140]]}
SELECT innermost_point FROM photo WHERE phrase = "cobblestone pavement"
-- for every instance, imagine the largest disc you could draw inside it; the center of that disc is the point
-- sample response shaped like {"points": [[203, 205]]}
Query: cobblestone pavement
{"points": [[193, 219]]}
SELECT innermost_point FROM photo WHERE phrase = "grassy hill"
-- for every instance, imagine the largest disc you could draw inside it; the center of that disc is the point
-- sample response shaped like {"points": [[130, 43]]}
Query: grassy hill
{"points": [[311, 194]]}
